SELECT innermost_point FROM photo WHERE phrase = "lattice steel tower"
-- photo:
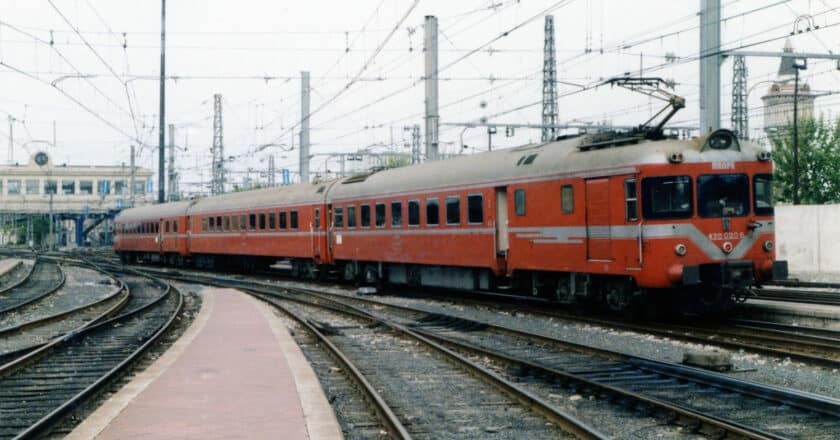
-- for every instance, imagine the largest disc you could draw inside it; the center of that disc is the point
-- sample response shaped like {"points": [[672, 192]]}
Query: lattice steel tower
{"points": [[217, 184], [740, 111], [549, 96]]}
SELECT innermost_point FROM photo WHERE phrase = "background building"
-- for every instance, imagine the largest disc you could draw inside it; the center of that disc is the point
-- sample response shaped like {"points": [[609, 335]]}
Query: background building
{"points": [[778, 102]]}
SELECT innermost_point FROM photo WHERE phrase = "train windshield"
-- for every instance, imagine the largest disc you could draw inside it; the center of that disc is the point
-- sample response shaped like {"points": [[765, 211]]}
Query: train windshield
{"points": [[720, 195], [667, 197], [763, 194]]}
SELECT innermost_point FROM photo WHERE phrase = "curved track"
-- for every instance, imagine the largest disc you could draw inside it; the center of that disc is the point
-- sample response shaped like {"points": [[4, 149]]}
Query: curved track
{"points": [[38, 389], [44, 279]]}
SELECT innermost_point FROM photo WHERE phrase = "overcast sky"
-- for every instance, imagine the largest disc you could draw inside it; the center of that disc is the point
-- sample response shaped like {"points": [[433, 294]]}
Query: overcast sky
{"points": [[252, 52]]}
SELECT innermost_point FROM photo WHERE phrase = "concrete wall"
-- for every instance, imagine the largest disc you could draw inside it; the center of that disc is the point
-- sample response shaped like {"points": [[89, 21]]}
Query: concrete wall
{"points": [[808, 237]]}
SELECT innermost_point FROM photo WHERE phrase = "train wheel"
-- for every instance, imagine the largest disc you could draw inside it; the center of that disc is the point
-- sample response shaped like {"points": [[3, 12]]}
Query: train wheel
{"points": [[371, 277], [618, 298]]}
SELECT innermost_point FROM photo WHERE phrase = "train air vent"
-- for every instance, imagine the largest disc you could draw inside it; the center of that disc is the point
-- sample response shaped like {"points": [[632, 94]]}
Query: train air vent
{"points": [[526, 160], [722, 139]]}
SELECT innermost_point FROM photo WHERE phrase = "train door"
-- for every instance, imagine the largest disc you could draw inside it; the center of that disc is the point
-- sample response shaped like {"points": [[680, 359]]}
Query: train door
{"points": [[160, 235], [328, 218], [501, 221], [188, 226], [315, 230], [598, 234]]}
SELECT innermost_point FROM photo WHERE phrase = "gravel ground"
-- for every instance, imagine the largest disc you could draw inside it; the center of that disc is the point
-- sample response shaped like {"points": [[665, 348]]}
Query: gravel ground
{"points": [[760, 368], [82, 286]]}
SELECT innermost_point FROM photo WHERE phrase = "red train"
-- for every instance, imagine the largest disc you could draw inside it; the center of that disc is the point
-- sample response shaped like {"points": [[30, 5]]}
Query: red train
{"points": [[611, 218]]}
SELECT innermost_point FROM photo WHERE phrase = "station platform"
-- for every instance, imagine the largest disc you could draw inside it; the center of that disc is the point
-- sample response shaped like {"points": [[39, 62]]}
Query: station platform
{"points": [[235, 373], [812, 315]]}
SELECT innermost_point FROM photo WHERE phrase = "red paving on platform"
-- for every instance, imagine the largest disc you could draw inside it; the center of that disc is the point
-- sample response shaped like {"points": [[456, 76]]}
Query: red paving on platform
{"points": [[231, 381]]}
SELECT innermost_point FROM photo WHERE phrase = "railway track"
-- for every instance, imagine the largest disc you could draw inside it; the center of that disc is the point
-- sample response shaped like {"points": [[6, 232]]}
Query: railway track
{"points": [[710, 402], [44, 279], [38, 389]]}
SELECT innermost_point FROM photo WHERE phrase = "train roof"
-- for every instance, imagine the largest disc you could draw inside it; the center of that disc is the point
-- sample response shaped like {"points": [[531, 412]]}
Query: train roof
{"points": [[579, 156], [301, 193], [154, 212]]}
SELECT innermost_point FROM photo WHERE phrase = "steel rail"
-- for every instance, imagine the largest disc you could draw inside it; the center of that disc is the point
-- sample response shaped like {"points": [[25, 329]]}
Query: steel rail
{"points": [[20, 281], [50, 290]]}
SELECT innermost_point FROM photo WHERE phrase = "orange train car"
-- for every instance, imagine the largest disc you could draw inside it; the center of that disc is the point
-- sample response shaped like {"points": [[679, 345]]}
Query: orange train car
{"points": [[610, 218]]}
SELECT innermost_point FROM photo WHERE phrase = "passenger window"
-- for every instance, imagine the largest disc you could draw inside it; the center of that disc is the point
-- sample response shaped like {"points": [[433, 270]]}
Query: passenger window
{"points": [[212, 223], [432, 212], [252, 222], [317, 218], [338, 217], [262, 221], [567, 199], [227, 223], [235, 222], [519, 201], [175, 226], [396, 214], [413, 213], [475, 209], [282, 219], [365, 213], [351, 216], [243, 222], [631, 202], [272, 220], [453, 210], [380, 215], [218, 223], [293, 219], [166, 226]]}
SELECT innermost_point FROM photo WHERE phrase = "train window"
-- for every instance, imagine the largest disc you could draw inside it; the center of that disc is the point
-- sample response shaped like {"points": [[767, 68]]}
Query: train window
{"points": [[175, 226], [396, 214], [432, 212], [365, 215], [667, 197], [262, 221], [252, 222], [282, 219], [763, 194], [453, 210], [234, 223], [219, 223], [567, 199], [212, 223], [293, 219], [338, 217], [720, 195], [631, 201], [380, 215], [519, 201], [243, 222], [475, 208], [227, 223], [413, 213], [166, 226], [317, 219], [272, 220], [351, 216]]}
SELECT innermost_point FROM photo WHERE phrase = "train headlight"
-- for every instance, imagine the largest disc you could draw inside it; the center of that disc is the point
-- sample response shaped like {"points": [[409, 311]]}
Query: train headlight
{"points": [[680, 249], [727, 247], [768, 245]]}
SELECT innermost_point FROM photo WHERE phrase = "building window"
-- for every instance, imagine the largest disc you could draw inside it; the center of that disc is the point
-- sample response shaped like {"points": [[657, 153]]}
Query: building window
{"points": [[432, 212], [567, 199], [365, 214], [519, 201], [338, 217], [272, 220], [85, 187], [453, 210], [380, 215], [68, 187], [413, 213], [631, 202], [293, 219], [33, 186], [139, 187], [475, 209], [282, 219], [351, 216], [50, 187], [103, 187], [14, 186], [120, 187], [396, 214]]}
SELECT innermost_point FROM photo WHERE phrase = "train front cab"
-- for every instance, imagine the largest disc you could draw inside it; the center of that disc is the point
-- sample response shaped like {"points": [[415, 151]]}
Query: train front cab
{"points": [[709, 225]]}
